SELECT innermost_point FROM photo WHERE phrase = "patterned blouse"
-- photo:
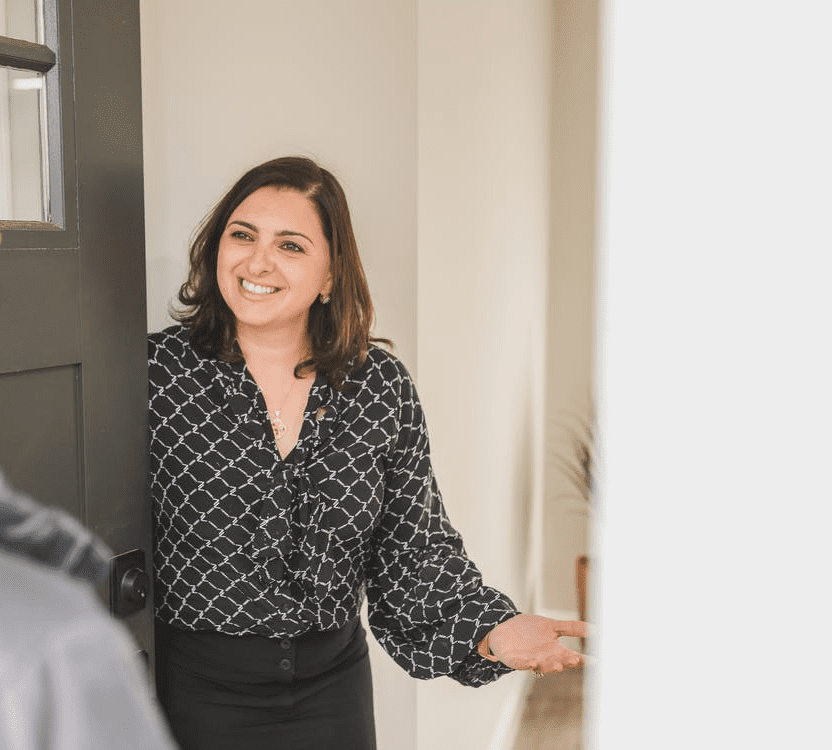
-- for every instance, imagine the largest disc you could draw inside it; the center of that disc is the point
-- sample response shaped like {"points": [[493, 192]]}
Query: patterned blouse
{"points": [[249, 543]]}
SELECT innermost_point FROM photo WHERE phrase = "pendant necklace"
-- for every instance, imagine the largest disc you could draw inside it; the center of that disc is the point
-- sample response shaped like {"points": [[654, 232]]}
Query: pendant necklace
{"points": [[278, 425]]}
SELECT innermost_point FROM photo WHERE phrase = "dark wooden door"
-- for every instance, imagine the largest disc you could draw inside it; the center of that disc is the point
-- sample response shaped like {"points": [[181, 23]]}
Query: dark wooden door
{"points": [[73, 378]]}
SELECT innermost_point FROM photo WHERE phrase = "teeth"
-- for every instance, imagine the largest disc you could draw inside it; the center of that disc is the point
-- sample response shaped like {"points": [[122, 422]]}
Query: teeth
{"points": [[247, 285]]}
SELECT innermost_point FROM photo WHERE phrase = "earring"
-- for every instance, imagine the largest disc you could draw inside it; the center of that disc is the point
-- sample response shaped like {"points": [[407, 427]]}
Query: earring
{"points": [[325, 299]]}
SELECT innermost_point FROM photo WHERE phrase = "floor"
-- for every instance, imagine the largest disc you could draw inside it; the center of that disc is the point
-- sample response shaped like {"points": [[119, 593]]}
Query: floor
{"points": [[553, 715]]}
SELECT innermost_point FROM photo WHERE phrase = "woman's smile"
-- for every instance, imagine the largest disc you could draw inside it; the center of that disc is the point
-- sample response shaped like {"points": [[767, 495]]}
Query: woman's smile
{"points": [[256, 288]]}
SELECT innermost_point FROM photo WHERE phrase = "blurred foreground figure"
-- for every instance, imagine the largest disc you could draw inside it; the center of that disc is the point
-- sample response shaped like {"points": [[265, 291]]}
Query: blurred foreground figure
{"points": [[69, 674]]}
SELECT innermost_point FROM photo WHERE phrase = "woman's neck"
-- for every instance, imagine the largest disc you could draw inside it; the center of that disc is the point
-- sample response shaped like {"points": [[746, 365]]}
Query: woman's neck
{"points": [[286, 348]]}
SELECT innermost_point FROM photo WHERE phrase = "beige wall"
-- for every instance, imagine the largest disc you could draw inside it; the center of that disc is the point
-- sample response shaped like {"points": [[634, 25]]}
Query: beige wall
{"points": [[436, 117], [328, 79], [484, 185], [567, 518]]}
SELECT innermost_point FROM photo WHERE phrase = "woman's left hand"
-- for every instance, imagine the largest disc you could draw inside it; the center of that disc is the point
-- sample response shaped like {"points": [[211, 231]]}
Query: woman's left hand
{"points": [[531, 642]]}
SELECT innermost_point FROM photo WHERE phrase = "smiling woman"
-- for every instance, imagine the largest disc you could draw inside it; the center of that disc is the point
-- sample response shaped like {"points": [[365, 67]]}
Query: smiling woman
{"points": [[273, 262], [336, 333], [291, 477]]}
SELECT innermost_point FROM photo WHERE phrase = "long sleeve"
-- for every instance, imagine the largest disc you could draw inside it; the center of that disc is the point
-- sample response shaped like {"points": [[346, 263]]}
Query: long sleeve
{"points": [[428, 606]]}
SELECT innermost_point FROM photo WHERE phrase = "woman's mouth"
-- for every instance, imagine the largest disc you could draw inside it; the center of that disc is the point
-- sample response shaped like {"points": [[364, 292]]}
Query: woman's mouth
{"points": [[257, 289]]}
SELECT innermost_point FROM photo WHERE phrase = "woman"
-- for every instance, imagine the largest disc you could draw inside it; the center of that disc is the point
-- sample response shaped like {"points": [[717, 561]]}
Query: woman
{"points": [[291, 476]]}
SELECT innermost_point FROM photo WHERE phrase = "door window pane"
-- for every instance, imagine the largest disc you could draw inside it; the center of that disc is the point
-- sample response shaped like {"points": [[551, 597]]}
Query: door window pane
{"points": [[21, 19], [23, 176]]}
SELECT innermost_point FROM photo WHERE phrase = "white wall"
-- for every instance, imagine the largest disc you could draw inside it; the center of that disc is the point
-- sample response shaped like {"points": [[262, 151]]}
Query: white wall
{"points": [[570, 369], [716, 405], [484, 196], [229, 85]]}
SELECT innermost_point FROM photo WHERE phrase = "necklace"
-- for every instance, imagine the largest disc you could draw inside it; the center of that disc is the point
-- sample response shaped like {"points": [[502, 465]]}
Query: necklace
{"points": [[278, 425]]}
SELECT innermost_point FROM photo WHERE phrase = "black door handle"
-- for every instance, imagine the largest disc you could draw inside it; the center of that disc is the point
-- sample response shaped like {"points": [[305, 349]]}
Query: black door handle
{"points": [[129, 583], [134, 586]]}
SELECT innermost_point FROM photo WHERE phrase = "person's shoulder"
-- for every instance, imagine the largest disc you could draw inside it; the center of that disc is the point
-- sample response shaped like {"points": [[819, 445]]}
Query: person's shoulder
{"points": [[173, 340], [39, 602], [54, 629], [383, 367], [171, 354], [382, 379]]}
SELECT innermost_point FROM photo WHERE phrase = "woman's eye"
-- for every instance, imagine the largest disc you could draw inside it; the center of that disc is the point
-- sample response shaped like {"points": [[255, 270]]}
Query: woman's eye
{"points": [[292, 247], [239, 234]]}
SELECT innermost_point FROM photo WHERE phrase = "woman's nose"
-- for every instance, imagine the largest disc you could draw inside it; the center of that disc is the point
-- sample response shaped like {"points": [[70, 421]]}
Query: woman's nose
{"points": [[260, 260]]}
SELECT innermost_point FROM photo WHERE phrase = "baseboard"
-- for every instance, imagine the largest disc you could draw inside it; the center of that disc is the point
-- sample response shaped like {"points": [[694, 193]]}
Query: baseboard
{"points": [[508, 725]]}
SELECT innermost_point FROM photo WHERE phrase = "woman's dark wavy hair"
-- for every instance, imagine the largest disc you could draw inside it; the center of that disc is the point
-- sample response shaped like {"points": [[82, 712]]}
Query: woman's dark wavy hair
{"points": [[339, 332]]}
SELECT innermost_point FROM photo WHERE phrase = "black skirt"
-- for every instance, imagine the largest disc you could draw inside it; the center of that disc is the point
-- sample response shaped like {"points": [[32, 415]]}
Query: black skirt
{"points": [[224, 692]]}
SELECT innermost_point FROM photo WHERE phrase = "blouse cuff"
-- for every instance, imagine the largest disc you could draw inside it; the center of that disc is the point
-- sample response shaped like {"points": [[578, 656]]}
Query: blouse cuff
{"points": [[470, 668]]}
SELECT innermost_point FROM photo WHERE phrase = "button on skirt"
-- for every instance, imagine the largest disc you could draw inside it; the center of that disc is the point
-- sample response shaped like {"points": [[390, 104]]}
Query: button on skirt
{"points": [[225, 692]]}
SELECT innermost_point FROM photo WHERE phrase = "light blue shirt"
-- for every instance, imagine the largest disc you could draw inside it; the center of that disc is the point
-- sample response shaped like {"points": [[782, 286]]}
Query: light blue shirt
{"points": [[69, 674]]}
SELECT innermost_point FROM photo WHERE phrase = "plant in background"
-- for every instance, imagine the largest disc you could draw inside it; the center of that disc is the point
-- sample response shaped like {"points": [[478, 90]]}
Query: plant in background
{"points": [[580, 467], [581, 470]]}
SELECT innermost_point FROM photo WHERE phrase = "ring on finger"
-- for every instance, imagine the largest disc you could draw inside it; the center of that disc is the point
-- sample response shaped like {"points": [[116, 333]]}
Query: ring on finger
{"points": [[537, 673]]}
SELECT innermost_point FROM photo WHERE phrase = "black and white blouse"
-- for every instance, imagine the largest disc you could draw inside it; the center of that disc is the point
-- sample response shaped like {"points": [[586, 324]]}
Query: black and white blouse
{"points": [[249, 543]]}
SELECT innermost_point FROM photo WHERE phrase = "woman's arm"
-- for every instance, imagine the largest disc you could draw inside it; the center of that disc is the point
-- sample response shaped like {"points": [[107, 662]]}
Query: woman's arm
{"points": [[428, 606]]}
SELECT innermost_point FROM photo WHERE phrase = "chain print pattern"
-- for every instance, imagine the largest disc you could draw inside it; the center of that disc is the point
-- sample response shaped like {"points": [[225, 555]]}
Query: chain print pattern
{"points": [[247, 543]]}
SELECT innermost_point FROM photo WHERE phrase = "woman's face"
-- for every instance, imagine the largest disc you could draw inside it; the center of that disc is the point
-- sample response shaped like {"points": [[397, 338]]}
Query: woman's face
{"points": [[273, 261]]}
